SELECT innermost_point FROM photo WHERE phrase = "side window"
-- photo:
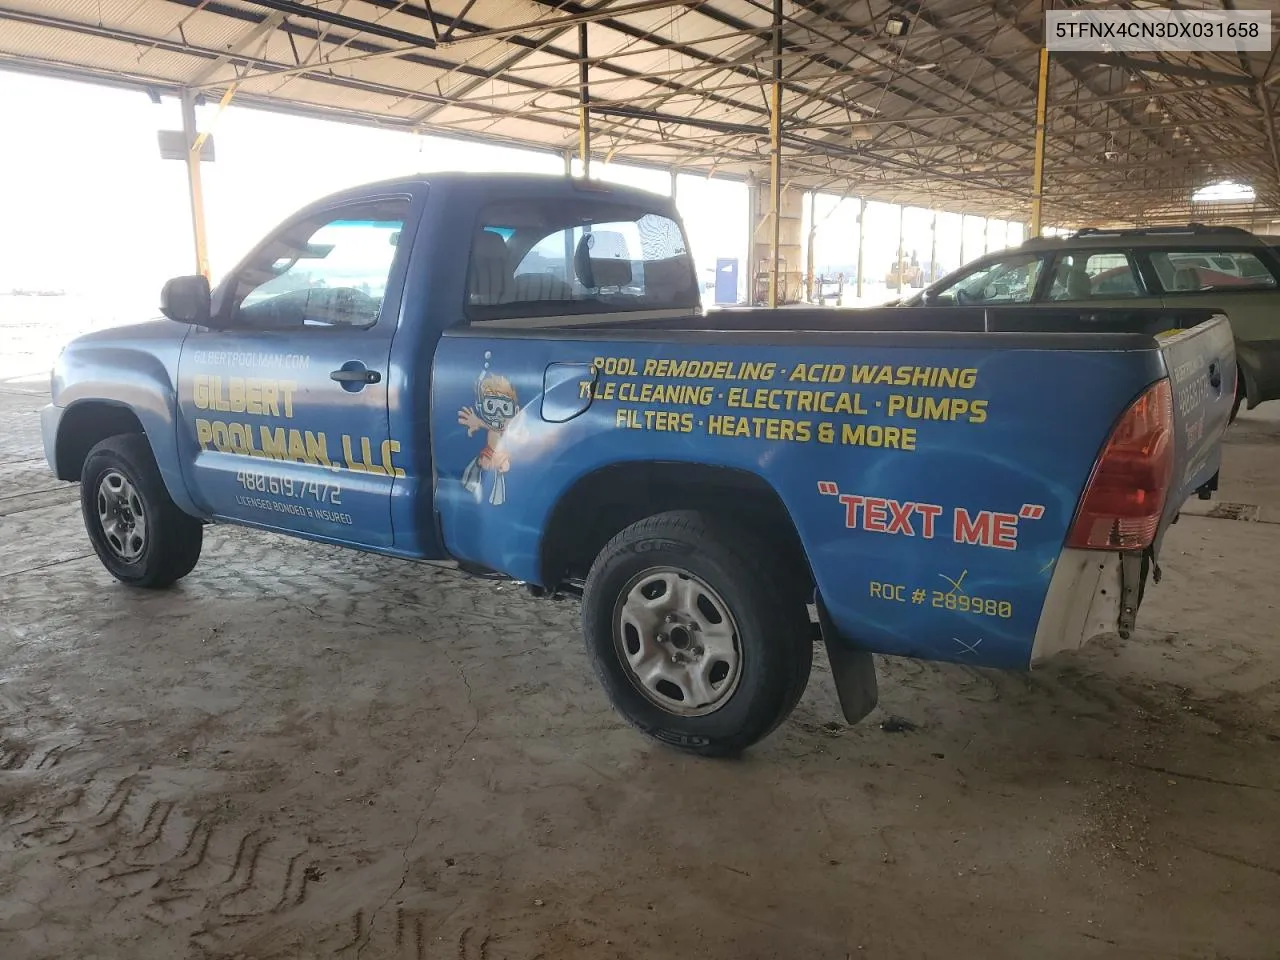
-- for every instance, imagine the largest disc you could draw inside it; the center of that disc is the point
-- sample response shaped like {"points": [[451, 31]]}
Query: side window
{"points": [[1190, 271], [328, 270], [543, 258], [1084, 275], [1011, 279]]}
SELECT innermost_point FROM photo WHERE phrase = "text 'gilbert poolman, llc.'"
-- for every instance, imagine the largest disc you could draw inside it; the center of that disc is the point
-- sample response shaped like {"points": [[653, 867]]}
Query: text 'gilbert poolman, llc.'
{"points": [[1158, 29]]}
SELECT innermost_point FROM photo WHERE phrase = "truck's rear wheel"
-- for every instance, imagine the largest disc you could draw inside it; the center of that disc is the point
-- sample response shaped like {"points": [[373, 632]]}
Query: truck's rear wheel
{"points": [[137, 531], [699, 641]]}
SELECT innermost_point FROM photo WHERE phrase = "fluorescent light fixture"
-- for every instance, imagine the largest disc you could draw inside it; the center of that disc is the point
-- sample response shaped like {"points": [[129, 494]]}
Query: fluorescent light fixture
{"points": [[1227, 191], [896, 25]]}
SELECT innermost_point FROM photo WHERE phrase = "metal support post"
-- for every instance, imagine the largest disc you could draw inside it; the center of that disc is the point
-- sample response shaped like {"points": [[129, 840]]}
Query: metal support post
{"points": [[1042, 102], [862, 240], [902, 267], [584, 110], [813, 232], [194, 145], [933, 247], [775, 153]]}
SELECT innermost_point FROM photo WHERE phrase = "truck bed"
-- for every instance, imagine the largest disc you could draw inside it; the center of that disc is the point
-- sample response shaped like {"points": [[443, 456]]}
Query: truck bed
{"points": [[994, 417]]}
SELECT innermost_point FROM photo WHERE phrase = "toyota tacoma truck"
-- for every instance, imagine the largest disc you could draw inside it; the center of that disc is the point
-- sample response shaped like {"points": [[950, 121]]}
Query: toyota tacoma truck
{"points": [[512, 374]]}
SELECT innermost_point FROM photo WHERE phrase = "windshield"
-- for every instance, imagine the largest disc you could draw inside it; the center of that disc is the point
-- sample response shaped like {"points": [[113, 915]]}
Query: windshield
{"points": [[532, 258], [1010, 279]]}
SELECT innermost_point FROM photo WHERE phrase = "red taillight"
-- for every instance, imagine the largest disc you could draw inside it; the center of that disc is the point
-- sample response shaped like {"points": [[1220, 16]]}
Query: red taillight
{"points": [[1126, 493]]}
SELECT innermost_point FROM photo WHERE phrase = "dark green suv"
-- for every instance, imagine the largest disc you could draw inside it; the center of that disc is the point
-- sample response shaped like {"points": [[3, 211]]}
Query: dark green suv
{"points": [[1222, 267]]}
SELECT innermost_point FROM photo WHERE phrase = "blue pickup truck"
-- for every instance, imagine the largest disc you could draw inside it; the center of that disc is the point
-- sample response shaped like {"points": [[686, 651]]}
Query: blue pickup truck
{"points": [[512, 374]]}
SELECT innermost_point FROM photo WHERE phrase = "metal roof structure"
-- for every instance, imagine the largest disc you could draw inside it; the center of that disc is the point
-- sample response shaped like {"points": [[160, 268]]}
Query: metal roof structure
{"points": [[942, 115]]}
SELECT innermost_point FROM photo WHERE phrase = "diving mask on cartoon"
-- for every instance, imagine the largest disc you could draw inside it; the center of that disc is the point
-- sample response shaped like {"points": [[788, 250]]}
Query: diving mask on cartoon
{"points": [[494, 409]]}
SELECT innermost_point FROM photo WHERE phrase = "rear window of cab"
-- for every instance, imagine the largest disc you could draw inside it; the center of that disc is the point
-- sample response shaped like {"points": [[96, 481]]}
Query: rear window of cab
{"points": [[540, 258]]}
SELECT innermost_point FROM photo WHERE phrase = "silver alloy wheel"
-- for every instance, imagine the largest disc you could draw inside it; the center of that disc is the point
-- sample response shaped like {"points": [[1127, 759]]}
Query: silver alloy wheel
{"points": [[677, 641], [121, 515]]}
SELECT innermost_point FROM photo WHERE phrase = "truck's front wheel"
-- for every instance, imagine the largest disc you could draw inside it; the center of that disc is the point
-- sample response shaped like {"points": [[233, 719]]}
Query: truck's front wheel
{"points": [[137, 531], [700, 641]]}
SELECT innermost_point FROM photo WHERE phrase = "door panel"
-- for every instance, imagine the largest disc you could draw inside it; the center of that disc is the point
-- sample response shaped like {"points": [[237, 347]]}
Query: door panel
{"points": [[1241, 284], [1255, 321], [280, 444], [284, 407]]}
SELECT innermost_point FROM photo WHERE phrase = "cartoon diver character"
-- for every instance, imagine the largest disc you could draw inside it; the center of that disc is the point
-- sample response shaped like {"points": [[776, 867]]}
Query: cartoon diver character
{"points": [[496, 406]]}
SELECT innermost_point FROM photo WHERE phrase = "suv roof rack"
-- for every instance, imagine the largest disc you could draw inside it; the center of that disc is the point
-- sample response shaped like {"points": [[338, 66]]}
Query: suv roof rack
{"points": [[1158, 231]]}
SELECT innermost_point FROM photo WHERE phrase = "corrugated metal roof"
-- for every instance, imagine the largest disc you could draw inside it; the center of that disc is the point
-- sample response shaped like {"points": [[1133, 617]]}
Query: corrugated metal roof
{"points": [[941, 117]]}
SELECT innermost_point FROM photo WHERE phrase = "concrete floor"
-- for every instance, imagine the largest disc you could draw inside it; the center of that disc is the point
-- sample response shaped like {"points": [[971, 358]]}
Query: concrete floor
{"points": [[302, 752]]}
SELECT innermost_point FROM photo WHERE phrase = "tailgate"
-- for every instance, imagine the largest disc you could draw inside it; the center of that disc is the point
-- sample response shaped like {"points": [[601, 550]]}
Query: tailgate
{"points": [[1202, 372]]}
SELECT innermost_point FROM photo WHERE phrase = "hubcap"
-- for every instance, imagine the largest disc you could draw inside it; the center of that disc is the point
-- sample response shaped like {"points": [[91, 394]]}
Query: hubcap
{"points": [[677, 641], [121, 516]]}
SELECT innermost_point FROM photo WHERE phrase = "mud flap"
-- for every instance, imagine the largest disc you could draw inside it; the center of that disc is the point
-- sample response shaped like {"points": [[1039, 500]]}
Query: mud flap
{"points": [[1206, 490], [854, 671]]}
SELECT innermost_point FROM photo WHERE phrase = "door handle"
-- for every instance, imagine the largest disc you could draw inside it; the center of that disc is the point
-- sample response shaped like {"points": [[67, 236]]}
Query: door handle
{"points": [[359, 375]]}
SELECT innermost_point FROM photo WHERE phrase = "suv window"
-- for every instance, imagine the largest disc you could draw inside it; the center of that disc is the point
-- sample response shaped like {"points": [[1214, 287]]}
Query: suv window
{"points": [[1082, 275], [549, 257], [1188, 271], [327, 270], [1011, 279]]}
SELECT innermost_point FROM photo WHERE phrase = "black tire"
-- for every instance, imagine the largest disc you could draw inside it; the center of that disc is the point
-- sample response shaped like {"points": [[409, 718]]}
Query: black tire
{"points": [[773, 632], [171, 545]]}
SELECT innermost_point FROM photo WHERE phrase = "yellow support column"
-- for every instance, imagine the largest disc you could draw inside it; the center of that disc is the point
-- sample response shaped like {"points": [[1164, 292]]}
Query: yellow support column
{"points": [[862, 242], [813, 231], [1042, 99], [902, 246], [584, 115], [775, 153], [195, 143]]}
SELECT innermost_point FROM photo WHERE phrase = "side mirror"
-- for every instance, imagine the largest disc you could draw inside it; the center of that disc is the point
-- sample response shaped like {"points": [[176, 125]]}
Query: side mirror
{"points": [[186, 300]]}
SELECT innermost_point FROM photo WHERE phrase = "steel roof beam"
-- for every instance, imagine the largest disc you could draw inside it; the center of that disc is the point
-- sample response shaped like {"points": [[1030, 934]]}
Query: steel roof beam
{"points": [[1138, 64]]}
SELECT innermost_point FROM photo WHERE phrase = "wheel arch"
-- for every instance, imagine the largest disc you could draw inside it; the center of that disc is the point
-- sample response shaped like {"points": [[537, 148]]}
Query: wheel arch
{"points": [[602, 503], [87, 422], [84, 425]]}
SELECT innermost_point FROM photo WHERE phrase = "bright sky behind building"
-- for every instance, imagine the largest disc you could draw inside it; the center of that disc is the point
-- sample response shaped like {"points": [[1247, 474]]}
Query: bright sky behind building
{"points": [[88, 206]]}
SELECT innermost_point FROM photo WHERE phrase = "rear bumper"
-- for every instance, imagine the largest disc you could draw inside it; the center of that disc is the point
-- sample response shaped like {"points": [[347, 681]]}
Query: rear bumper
{"points": [[50, 418], [1083, 602]]}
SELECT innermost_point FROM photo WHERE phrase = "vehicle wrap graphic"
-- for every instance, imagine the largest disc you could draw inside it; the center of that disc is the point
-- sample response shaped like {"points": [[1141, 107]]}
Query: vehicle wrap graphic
{"points": [[869, 449], [496, 406]]}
